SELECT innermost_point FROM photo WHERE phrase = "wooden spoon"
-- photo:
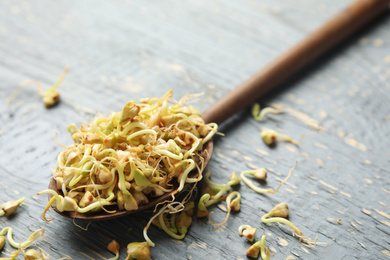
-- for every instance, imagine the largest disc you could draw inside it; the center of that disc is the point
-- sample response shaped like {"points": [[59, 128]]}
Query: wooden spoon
{"points": [[336, 30]]}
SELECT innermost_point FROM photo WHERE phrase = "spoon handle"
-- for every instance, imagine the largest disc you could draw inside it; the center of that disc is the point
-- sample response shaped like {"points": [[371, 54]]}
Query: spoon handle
{"points": [[339, 28]]}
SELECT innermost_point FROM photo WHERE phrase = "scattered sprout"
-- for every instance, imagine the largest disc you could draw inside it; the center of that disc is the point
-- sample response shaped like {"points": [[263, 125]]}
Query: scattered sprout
{"points": [[114, 247], [259, 248], [214, 193], [33, 254], [261, 174], [258, 113], [130, 157], [138, 250], [13, 255], [247, 231], [34, 236], [270, 136], [232, 204], [279, 214], [175, 220], [280, 211], [50, 96], [8, 208]]}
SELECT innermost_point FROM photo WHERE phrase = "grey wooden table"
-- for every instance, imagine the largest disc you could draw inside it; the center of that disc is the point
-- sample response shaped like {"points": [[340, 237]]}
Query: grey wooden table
{"points": [[127, 50]]}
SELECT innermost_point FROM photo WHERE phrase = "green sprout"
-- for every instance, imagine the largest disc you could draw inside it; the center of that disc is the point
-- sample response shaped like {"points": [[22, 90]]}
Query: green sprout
{"points": [[114, 248], [214, 193], [9, 207], [261, 174], [247, 231], [34, 236], [269, 136], [279, 214], [33, 254], [174, 220], [259, 248], [258, 113], [232, 204], [138, 251], [13, 255], [51, 96]]}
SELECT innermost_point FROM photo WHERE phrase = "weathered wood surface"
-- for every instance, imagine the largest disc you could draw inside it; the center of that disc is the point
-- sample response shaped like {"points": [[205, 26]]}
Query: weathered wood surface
{"points": [[126, 50]]}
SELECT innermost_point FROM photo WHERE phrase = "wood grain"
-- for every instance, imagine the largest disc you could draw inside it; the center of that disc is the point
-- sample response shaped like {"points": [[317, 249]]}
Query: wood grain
{"points": [[122, 50]]}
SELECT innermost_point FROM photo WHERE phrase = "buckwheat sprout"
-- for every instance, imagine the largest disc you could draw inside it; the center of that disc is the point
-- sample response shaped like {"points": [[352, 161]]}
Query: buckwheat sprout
{"points": [[258, 113], [132, 126], [247, 231], [142, 132], [180, 219], [51, 96], [114, 247], [119, 168], [81, 174], [165, 209], [148, 109], [259, 247], [194, 145], [185, 124], [166, 229], [69, 204], [234, 180], [34, 236], [232, 204], [190, 165], [279, 214], [96, 186], [270, 136], [264, 251], [169, 154], [218, 190], [214, 129], [180, 214], [138, 250], [210, 184], [51, 93], [261, 174], [13, 255], [95, 127], [9, 207], [33, 254]]}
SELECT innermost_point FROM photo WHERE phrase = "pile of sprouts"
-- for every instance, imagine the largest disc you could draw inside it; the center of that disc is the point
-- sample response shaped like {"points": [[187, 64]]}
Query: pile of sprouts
{"points": [[130, 157]]}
